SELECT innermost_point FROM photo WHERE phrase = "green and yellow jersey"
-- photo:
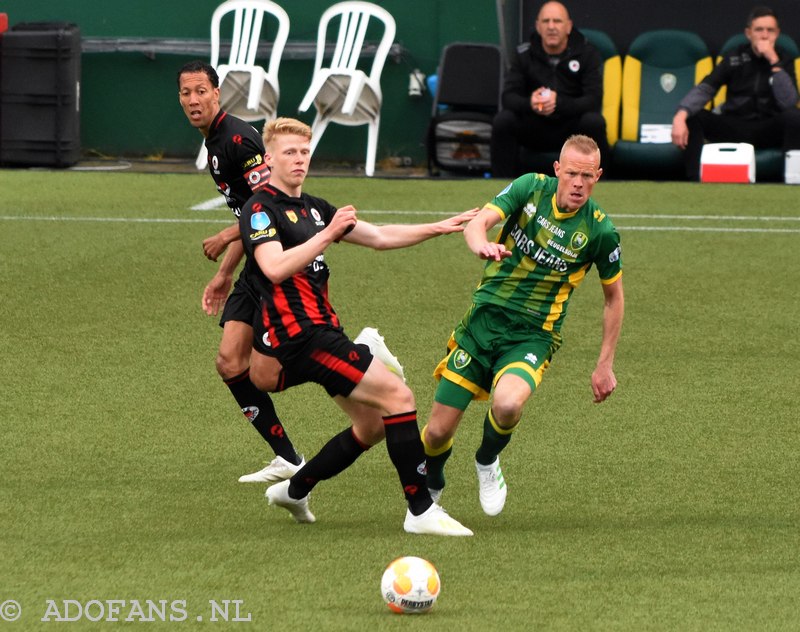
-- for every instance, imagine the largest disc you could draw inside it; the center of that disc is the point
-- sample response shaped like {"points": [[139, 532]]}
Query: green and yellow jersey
{"points": [[551, 251]]}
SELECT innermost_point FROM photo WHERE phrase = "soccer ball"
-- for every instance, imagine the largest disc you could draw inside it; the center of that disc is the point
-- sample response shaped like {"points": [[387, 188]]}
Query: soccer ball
{"points": [[410, 585]]}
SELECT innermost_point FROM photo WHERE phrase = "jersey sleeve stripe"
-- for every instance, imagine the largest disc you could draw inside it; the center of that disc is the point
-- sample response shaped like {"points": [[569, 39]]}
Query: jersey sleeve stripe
{"points": [[496, 209], [612, 279]]}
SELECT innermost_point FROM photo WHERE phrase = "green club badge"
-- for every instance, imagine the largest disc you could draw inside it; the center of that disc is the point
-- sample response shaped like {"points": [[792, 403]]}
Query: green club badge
{"points": [[461, 359], [578, 240]]}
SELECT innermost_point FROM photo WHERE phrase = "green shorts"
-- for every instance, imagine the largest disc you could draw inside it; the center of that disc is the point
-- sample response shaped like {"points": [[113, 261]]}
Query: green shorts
{"points": [[486, 344]]}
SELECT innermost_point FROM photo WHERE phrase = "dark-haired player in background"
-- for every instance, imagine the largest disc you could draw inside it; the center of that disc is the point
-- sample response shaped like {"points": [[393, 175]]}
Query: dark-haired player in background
{"points": [[236, 163]]}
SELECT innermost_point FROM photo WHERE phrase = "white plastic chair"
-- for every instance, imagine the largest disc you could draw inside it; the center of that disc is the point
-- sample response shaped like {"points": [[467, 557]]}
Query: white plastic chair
{"points": [[247, 90], [341, 92]]}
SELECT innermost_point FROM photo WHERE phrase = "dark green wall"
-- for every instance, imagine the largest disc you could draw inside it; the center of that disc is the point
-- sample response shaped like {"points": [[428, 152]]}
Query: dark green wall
{"points": [[129, 102]]}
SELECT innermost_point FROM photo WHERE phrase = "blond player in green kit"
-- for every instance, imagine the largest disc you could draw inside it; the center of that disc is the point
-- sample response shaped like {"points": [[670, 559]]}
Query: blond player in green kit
{"points": [[553, 233]]}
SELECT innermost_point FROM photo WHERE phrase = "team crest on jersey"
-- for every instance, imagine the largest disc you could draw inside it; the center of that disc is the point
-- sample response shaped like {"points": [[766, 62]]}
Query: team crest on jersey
{"points": [[215, 163], [461, 359], [529, 209], [574, 65], [578, 240], [668, 82], [292, 216]]}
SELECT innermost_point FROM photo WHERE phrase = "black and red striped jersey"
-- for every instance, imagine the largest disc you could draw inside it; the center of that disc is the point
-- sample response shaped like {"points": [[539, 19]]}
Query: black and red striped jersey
{"points": [[301, 301], [236, 159]]}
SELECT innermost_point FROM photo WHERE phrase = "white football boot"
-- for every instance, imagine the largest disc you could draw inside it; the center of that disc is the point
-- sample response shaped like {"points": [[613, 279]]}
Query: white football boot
{"points": [[435, 521], [278, 495], [369, 336], [279, 469], [492, 490]]}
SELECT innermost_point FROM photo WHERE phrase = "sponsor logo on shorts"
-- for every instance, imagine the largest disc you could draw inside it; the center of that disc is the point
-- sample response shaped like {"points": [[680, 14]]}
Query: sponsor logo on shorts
{"points": [[532, 358], [461, 359], [422, 468]]}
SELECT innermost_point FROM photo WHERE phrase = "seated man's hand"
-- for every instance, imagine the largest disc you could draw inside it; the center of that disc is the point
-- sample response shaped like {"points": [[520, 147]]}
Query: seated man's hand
{"points": [[680, 131]]}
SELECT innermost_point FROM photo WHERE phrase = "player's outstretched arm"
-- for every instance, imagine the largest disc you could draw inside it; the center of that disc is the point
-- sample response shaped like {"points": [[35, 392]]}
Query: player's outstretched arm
{"points": [[603, 379], [393, 236], [477, 241]]}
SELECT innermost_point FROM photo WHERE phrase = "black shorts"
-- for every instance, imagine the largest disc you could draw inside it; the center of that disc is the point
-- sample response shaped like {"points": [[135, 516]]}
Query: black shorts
{"points": [[241, 306], [326, 356]]}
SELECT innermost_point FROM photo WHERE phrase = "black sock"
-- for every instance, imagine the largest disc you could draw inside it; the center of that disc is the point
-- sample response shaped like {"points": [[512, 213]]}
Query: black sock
{"points": [[334, 457], [258, 408], [408, 457]]}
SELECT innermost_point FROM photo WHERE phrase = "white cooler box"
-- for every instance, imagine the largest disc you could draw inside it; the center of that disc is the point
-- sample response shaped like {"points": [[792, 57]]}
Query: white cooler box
{"points": [[728, 162], [792, 173]]}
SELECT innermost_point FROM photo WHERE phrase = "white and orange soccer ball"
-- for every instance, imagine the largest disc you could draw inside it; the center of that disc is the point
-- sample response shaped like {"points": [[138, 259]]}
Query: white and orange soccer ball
{"points": [[410, 585]]}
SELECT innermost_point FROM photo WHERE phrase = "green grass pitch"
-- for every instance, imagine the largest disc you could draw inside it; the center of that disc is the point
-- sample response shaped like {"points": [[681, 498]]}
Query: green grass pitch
{"points": [[673, 506]]}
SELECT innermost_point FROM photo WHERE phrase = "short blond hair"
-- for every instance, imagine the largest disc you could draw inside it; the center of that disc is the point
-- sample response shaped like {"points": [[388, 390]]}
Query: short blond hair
{"points": [[284, 125], [581, 143]]}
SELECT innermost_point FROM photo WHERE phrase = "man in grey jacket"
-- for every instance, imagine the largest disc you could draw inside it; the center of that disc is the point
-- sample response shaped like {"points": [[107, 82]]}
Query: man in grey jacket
{"points": [[761, 102]]}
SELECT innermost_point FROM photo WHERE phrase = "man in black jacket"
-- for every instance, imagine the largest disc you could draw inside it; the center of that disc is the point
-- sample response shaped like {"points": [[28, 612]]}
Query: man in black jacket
{"points": [[554, 89], [761, 102]]}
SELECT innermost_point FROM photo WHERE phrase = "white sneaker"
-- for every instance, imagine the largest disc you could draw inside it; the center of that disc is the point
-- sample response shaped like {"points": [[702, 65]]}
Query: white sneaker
{"points": [[492, 488], [434, 521], [279, 495], [436, 494], [279, 469], [369, 336]]}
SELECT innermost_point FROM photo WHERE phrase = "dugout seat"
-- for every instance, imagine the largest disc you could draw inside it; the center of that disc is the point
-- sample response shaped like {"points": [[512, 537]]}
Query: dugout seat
{"points": [[246, 89], [468, 88], [612, 80], [341, 92], [542, 161], [769, 162], [660, 68]]}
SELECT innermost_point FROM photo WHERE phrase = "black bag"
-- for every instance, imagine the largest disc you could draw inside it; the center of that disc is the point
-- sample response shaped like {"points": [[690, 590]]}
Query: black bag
{"points": [[460, 141]]}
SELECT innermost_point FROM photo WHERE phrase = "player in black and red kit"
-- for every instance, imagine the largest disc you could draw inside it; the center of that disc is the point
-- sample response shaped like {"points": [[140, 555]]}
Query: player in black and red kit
{"points": [[285, 232], [236, 163]]}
